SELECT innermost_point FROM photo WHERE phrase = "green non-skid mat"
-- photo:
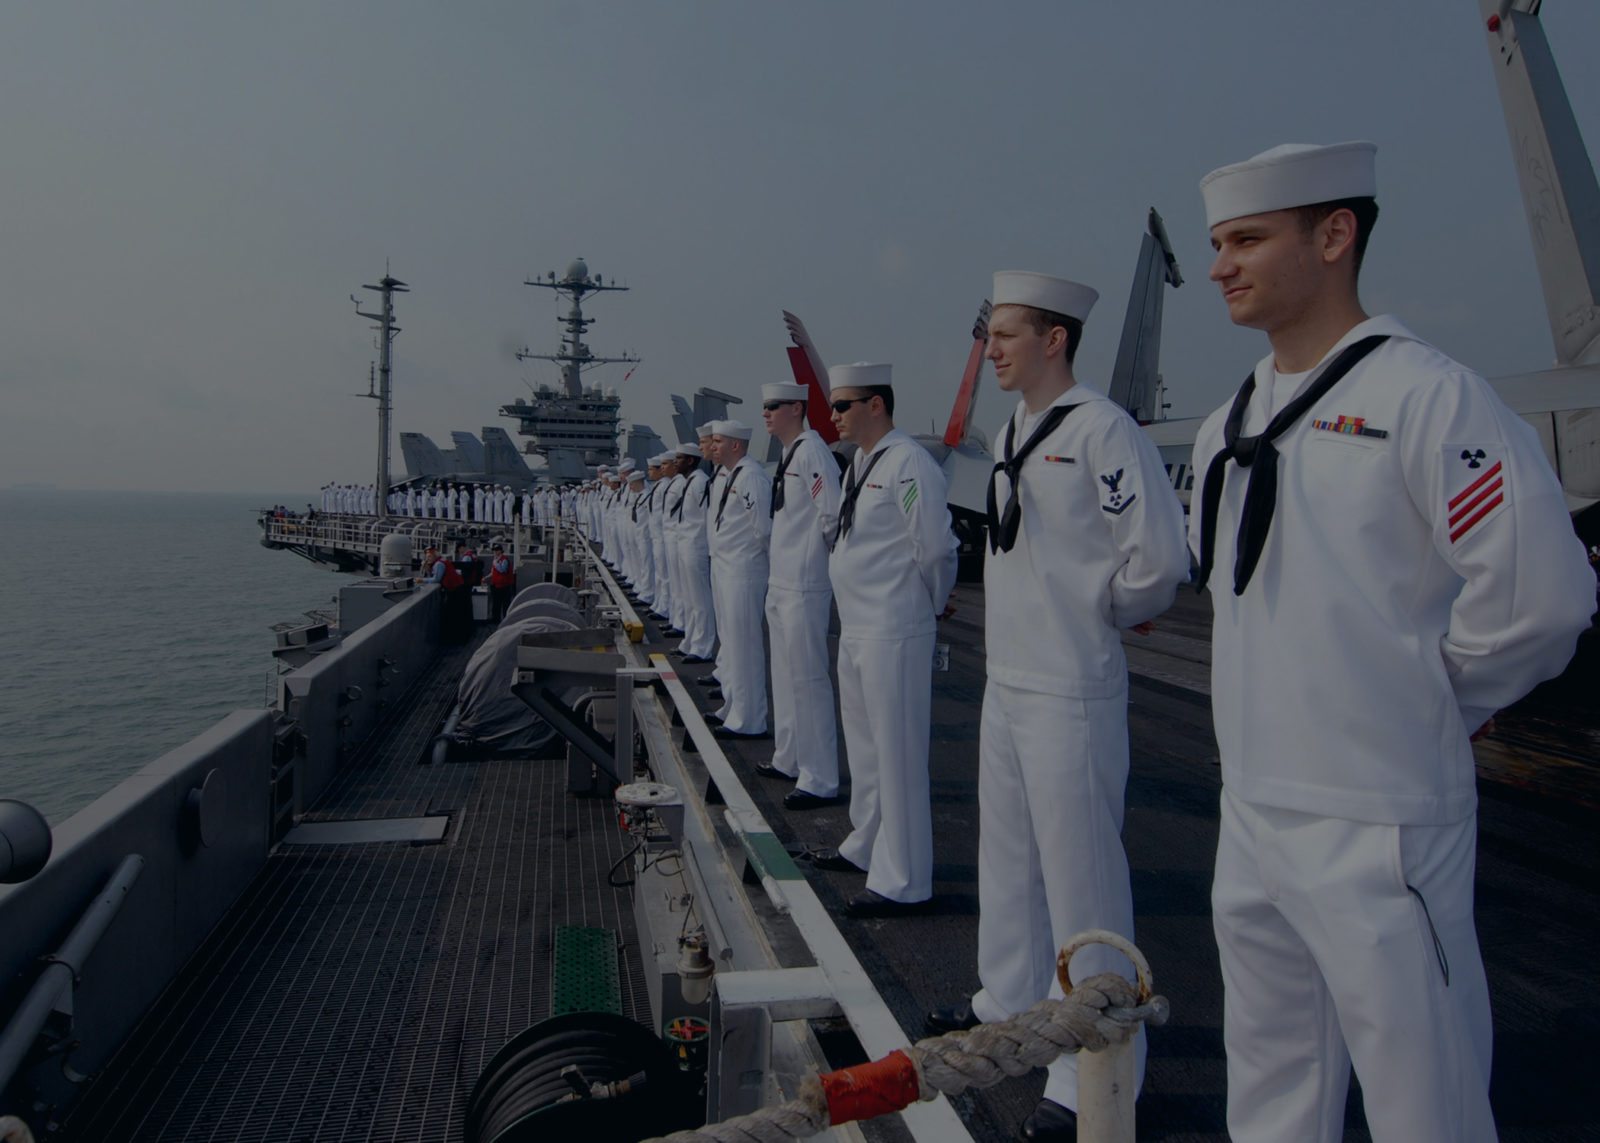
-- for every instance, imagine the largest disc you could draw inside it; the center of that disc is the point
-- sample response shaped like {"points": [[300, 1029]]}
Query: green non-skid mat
{"points": [[585, 978]]}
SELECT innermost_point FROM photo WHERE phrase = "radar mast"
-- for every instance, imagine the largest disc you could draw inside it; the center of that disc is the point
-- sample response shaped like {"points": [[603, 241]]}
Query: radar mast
{"points": [[575, 356]]}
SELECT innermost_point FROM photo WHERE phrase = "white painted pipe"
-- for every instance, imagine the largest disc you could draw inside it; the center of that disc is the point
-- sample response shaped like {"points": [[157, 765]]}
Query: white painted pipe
{"points": [[1105, 1094]]}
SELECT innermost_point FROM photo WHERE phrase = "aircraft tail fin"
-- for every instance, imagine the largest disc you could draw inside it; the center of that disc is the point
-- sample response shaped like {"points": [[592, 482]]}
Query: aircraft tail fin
{"points": [[422, 456], [683, 422], [960, 423], [501, 457], [817, 411], [1135, 375], [468, 450], [712, 405], [1559, 191]]}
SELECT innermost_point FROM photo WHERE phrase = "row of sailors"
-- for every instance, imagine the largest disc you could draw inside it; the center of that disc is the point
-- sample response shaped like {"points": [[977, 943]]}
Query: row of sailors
{"points": [[1398, 564], [488, 504]]}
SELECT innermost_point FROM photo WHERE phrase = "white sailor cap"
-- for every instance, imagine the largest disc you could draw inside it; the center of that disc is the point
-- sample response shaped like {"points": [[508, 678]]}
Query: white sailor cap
{"points": [[1295, 174], [635, 474], [1042, 292], [859, 375], [705, 430], [736, 429], [627, 465], [783, 391], [689, 450]]}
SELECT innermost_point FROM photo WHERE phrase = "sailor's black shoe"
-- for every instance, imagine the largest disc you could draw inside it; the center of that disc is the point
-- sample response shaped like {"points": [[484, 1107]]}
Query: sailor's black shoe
{"points": [[869, 904], [767, 771], [1050, 1123], [831, 859], [714, 692], [805, 800], [737, 735], [957, 1018], [706, 681], [691, 660]]}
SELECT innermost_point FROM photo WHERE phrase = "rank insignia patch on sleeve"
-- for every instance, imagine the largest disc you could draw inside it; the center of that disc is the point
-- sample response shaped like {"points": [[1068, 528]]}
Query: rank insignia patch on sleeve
{"points": [[1475, 487], [1118, 500], [816, 485]]}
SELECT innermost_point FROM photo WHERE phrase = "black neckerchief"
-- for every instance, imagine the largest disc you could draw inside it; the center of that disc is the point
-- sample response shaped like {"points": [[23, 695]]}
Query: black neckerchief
{"points": [[676, 511], [852, 492], [638, 500], [733, 474], [1003, 529], [1261, 494], [777, 479], [705, 495]]}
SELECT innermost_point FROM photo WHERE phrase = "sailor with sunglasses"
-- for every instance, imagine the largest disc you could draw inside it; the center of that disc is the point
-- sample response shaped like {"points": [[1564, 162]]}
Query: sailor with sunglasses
{"points": [[805, 507], [893, 565]]}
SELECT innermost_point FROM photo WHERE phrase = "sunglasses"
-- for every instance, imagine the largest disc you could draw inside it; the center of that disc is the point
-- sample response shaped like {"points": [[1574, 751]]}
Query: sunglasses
{"points": [[772, 406], [843, 406]]}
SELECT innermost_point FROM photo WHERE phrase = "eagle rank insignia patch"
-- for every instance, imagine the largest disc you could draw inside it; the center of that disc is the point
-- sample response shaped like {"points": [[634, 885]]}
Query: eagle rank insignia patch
{"points": [[1474, 487], [1117, 498]]}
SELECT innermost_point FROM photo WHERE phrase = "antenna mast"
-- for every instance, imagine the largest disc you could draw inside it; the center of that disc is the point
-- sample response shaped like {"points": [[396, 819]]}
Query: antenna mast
{"points": [[387, 287], [575, 356]]}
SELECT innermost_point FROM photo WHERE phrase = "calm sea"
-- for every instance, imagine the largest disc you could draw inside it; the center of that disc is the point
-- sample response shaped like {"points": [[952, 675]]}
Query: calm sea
{"points": [[133, 621]]}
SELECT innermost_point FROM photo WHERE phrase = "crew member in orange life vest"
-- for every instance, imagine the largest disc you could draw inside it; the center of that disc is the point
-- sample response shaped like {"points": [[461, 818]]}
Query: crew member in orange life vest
{"points": [[502, 581]]}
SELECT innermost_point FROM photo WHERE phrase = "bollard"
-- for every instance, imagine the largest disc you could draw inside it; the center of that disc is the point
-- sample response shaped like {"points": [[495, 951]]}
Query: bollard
{"points": [[1105, 1094], [1105, 1077]]}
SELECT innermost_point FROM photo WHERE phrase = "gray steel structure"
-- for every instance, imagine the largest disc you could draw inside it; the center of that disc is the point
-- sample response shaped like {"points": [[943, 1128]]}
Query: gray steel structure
{"points": [[574, 427]]}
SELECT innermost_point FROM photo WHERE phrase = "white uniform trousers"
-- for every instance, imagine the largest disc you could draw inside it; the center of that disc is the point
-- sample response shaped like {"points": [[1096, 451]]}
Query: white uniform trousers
{"points": [[644, 579], [1344, 941], [1052, 774], [885, 691], [675, 575], [699, 624], [663, 574], [742, 662], [804, 732]]}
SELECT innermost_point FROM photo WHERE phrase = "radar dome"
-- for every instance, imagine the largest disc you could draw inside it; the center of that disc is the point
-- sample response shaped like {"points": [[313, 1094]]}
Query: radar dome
{"points": [[577, 270]]}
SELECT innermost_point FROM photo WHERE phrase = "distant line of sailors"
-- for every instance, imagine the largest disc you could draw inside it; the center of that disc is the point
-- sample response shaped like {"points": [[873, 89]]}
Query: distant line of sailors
{"points": [[473, 503]]}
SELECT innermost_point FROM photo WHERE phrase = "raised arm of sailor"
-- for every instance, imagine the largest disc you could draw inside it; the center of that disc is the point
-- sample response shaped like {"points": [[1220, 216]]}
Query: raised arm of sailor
{"points": [[1477, 473], [920, 488], [1145, 518]]}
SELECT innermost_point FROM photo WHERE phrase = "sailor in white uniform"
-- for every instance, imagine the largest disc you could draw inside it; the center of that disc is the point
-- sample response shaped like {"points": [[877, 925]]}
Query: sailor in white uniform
{"points": [[741, 523], [672, 496], [805, 512], [636, 522], [686, 515], [1391, 561], [655, 535], [892, 567], [1086, 538], [718, 475]]}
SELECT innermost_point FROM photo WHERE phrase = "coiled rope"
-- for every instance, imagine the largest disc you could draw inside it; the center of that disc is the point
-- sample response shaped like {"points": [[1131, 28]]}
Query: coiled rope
{"points": [[1103, 1010]]}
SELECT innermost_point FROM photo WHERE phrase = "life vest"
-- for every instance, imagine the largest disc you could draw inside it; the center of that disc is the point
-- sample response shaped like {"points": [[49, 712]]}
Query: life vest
{"points": [[452, 577], [498, 578]]}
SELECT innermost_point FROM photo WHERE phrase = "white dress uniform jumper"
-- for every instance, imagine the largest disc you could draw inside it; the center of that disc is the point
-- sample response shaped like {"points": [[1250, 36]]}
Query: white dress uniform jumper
{"points": [[741, 524], [805, 509], [687, 517], [1412, 571], [892, 569], [1089, 541]]}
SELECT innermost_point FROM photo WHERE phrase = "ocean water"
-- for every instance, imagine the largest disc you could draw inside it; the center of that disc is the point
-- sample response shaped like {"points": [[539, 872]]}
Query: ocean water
{"points": [[132, 621]]}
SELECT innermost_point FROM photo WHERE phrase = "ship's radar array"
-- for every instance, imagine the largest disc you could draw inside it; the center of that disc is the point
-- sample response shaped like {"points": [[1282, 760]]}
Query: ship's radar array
{"points": [[574, 427]]}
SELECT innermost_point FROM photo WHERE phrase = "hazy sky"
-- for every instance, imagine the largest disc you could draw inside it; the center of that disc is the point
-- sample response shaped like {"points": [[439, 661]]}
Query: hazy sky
{"points": [[191, 191]]}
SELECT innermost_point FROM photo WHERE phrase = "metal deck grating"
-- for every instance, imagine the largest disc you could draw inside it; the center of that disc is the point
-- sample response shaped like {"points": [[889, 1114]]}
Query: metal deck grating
{"points": [[356, 991]]}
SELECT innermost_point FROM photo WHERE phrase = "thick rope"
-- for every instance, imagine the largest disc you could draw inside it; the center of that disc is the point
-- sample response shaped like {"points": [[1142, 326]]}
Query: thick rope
{"points": [[1101, 1011], [13, 1130]]}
